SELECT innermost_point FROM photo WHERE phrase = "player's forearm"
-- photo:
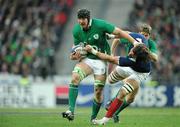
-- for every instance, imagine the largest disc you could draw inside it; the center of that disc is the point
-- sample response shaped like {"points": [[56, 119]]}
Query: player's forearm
{"points": [[103, 56], [106, 57]]}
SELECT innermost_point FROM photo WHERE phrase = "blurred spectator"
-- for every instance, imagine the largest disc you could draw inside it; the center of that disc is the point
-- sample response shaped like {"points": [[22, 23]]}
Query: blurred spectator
{"points": [[164, 17], [30, 32]]}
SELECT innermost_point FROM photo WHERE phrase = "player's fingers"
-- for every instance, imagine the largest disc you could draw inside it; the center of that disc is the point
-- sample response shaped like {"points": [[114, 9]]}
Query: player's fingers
{"points": [[88, 48], [78, 54]]}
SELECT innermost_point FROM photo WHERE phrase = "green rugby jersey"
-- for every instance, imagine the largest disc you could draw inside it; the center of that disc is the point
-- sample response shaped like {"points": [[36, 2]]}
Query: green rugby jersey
{"points": [[152, 46], [94, 36]]}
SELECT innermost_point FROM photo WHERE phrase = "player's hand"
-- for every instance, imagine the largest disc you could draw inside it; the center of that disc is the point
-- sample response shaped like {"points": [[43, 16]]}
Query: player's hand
{"points": [[75, 56], [90, 49]]}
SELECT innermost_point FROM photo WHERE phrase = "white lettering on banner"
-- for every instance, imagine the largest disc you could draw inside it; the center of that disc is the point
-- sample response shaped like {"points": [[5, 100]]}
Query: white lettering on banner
{"points": [[162, 98], [151, 96], [82, 99], [176, 96], [31, 96]]}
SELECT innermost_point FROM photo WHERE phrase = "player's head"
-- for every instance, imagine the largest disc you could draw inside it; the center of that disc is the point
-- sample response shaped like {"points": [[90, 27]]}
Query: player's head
{"points": [[140, 52], [83, 16], [145, 29]]}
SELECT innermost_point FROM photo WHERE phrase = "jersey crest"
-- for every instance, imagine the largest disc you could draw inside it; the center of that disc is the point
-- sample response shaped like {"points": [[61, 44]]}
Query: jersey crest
{"points": [[96, 36]]}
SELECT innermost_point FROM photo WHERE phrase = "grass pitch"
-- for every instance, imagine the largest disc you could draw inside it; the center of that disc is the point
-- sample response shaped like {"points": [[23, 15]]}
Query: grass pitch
{"points": [[131, 117]]}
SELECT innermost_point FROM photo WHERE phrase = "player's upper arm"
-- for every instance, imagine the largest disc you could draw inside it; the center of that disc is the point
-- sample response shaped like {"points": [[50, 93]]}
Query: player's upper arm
{"points": [[76, 37], [106, 26], [153, 48]]}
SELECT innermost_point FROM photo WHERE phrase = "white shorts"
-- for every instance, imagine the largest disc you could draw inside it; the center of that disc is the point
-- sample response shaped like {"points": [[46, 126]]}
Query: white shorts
{"points": [[98, 66], [127, 72]]}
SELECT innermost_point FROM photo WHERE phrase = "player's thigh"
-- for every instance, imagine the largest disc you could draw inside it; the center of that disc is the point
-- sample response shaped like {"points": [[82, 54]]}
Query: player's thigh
{"points": [[124, 72], [133, 81], [114, 77], [86, 68]]}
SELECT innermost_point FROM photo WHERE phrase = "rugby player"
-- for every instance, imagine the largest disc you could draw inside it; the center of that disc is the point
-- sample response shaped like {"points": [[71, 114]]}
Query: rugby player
{"points": [[132, 70], [114, 77], [91, 32]]}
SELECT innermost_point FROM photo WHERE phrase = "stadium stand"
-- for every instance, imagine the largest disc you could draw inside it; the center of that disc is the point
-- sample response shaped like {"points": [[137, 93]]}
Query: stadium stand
{"points": [[163, 16], [30, 32]]}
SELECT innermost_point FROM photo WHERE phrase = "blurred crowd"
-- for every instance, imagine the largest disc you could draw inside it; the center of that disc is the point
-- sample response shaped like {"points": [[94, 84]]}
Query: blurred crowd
{"points": [[30, 32], [164, 17]]}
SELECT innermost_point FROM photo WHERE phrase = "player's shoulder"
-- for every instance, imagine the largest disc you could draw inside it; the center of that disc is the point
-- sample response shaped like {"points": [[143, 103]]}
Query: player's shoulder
{"points": [[98, 22], [133, 34], [76, 28], [95, 20], [150, 40]]}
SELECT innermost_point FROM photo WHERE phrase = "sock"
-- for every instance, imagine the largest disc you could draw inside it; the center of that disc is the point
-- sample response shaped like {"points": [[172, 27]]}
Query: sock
{"points": [[95, 109], [113, 107], [124, 105], [73, 93]]}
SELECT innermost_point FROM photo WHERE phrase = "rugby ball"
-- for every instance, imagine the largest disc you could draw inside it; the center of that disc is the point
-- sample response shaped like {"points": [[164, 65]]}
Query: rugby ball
{"points": [[78, 48]]}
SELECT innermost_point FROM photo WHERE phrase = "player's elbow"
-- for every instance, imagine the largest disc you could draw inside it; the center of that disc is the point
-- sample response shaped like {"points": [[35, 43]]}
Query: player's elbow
{"points": [[117, 31]]}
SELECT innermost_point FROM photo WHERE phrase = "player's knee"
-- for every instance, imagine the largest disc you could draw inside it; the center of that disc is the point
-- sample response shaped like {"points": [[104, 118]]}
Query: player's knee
{"points": [[128, 88], [112, 79], [75, 79], [78, 75]]}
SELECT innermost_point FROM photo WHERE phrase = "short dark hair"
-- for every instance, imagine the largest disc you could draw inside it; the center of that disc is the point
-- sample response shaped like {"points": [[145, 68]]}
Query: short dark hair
{"points": [[83, 13]]}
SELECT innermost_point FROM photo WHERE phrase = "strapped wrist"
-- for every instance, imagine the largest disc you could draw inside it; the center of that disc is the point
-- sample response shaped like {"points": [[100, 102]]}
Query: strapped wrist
{"points": [[93, 51]]}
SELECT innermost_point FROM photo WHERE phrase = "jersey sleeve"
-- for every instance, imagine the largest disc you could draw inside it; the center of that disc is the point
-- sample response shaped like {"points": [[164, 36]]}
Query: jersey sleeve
{"points": [[126, 61], [76, 38], [108, 27], [152, 46]]}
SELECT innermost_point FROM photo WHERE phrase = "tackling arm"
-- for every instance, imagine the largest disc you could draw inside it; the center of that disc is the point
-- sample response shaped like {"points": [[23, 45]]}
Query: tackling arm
{"points": [[111, 59], [103, 56]]}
